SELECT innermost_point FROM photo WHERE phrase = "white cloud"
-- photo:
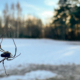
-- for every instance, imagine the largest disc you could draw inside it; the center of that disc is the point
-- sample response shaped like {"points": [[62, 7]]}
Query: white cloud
{"points": [[47, 14], [42, 13], [25, 4], [51, 2]]}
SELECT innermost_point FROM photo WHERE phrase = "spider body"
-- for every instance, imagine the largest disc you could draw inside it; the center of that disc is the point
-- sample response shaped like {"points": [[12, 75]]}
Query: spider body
{"points": [[6, 54]]}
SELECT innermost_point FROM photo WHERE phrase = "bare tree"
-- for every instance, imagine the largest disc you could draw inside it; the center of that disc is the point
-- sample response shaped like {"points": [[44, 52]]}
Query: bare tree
{"points": [[6, 19], [18, 17], [0, 26], [12, 8], [13, 19]]}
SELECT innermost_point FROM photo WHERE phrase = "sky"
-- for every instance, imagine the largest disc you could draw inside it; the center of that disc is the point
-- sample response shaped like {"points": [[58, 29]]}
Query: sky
{"points": [[43, 9]]}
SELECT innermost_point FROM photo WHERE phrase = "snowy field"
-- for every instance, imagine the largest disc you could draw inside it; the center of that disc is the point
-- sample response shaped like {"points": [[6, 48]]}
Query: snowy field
{"points": [[40, 51]]}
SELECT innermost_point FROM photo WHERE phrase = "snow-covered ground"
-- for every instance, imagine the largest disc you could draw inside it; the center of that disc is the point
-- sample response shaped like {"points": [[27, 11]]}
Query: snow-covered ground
{"points": [[31, 76], [41, 51]]}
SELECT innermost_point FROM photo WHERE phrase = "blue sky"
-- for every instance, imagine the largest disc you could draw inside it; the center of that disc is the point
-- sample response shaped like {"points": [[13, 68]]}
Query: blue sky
{"points": [[40, 8]]}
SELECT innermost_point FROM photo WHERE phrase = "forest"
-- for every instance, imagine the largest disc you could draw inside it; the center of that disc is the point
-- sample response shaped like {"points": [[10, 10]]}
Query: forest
{"points": [[65, 23]]}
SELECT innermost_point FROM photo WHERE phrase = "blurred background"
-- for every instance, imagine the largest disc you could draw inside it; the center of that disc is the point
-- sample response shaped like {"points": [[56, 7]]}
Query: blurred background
{"points": [[58, 19], [46, 33]]}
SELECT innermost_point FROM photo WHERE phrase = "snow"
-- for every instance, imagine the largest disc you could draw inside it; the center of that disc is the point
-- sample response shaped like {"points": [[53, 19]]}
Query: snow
{"points": [[32, 75], [41, 51]]}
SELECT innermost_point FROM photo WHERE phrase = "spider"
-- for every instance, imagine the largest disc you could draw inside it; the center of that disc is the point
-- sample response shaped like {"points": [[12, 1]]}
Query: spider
{"points": [[7, 55]]}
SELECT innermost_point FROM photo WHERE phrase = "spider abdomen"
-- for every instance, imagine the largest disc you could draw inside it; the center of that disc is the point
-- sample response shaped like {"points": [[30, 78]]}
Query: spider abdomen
{"points": [[6, 54]]}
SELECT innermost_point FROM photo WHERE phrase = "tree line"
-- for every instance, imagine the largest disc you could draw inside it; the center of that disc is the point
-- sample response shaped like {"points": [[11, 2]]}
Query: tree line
{"points": [[12, 24], [65, 22]]}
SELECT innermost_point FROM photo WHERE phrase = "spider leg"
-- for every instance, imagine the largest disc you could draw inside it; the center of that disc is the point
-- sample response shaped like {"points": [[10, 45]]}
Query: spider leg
{"points": [[4, 68], [2, 50], [3, 65], [1, 42], [13, 57], [2, 60], [0, 45], [15, 48]]}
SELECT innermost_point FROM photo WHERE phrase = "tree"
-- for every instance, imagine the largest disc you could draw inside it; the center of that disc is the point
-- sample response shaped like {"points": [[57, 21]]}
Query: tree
{"points": [[1, 26], [67, 8], [18, 17], [6, 19], [33, 28], [60, 19], [13, 19]]}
